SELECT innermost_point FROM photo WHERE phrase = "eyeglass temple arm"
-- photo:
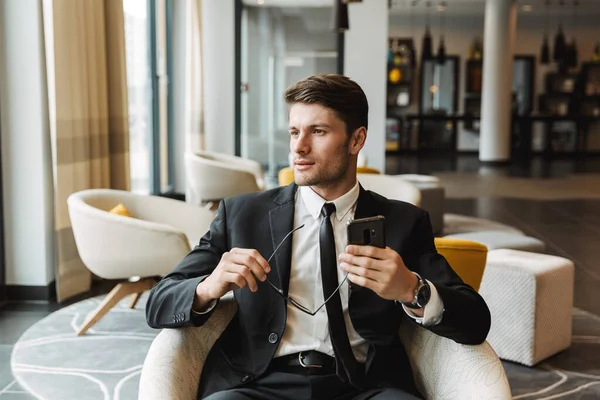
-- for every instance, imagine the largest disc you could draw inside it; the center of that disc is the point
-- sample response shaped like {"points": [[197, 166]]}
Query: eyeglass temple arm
{"points": [[283, 241], [275, 252]]}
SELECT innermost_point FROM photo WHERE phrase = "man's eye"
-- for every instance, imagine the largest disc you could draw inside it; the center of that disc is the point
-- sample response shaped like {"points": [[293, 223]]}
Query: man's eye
{"points": [[294, 133], [319, 131]]}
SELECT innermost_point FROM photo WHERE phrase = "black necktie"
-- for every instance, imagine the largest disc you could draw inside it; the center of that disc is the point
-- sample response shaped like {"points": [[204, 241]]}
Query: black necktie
{"points": [[347, 367]]}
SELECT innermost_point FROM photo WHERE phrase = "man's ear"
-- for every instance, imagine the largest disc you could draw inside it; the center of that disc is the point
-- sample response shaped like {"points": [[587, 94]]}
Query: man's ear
{"points": [[357, 140]]}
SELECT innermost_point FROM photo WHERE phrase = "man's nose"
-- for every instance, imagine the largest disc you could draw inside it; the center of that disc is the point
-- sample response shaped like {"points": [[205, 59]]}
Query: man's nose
{"points": [[301, 144]]}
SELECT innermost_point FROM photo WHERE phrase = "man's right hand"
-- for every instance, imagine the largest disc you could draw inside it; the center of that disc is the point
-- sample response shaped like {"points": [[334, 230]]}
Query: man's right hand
{"points": [[238, 268]]}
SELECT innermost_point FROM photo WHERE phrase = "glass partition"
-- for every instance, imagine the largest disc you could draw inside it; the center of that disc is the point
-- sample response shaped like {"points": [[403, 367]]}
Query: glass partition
{"points": [[2, 256], [279, 46], [438, 89], [438, 104]]}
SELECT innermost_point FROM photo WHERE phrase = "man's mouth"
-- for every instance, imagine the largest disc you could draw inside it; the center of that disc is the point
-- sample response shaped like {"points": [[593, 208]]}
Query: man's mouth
{"points": [[303, 164]]}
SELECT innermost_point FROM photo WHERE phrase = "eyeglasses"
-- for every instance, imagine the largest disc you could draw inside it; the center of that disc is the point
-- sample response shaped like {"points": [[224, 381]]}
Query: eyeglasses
{"points": [[289, 299]]}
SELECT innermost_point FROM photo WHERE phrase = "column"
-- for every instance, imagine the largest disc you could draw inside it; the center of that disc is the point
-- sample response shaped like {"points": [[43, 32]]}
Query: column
{"points": [[218, 45], [499, 34], [365, 61], [26, 149]]}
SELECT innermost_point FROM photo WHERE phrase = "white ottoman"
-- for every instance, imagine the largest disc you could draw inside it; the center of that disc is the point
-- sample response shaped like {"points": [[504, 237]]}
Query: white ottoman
{"points": [[456, 223], [418, 178], [432, 198], [530, 297], [503, 240]]}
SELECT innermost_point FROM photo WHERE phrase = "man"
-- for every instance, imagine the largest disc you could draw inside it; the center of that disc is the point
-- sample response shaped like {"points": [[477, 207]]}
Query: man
{"points": [[278, 346]]}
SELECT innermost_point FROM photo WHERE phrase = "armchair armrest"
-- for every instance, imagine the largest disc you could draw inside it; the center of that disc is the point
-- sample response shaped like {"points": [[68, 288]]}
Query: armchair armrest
{"points": [[444, 369], [174, 362]]}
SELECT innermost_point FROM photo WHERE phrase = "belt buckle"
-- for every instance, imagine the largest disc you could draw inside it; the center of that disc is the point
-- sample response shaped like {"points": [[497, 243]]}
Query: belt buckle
{"points": [[301, 361]]}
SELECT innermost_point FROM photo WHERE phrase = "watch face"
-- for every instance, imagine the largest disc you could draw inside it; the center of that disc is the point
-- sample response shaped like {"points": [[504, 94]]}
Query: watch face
{"points": [[423, 295]]}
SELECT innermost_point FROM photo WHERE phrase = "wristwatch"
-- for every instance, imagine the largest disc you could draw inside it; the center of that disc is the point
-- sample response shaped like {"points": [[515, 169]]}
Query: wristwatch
{"points": [[422, 294]]}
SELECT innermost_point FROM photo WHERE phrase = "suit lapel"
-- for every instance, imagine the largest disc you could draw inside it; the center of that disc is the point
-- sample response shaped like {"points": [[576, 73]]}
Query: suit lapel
{"points": [[364, 205], [281, 221]]}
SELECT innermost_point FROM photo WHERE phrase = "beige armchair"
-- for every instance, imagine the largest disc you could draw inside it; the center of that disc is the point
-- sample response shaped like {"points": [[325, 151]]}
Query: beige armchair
{"points": [[214, 176], [443, 369], [135, 249], [391, 187]]}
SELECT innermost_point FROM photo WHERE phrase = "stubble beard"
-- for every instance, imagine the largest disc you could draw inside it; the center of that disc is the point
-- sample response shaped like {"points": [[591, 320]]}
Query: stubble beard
{"points": [[326, 175]]}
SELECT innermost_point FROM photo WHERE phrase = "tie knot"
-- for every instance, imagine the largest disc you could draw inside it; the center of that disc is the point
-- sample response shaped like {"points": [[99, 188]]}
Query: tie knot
{"points": [[328, 209]]}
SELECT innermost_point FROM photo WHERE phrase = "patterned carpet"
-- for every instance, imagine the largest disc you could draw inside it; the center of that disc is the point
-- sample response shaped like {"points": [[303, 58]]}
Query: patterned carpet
{"points": [[51, 362]]}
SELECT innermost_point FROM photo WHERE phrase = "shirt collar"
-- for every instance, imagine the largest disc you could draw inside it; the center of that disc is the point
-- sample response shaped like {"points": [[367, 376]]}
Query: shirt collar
{"points": [[343, 204]]}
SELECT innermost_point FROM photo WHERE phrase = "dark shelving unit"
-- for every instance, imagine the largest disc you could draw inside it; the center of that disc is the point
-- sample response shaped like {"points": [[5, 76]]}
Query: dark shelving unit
{"points": [[571, 104], [399, 97]]}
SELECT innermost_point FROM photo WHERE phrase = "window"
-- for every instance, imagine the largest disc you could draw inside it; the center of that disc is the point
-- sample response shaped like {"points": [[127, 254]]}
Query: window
{"points": [[139, 93], [147, 24]]}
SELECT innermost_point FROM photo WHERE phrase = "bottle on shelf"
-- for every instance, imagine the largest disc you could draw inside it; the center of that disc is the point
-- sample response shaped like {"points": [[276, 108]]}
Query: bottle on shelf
{"points": [[596, 55], [394, 72], [476, 50], [399, 57]]}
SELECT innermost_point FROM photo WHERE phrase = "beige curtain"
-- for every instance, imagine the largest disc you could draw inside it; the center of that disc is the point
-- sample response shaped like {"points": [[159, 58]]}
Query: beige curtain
{"points": [[195, 98], [85, 51]]}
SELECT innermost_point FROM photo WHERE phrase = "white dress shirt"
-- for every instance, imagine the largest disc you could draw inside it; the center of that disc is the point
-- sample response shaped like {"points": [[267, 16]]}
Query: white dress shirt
{"points": [[305, 332]]}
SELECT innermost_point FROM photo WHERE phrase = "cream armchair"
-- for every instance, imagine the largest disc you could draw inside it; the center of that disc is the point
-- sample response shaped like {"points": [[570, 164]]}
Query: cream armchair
{"points": [[391, 187], [135, 249], [214, 176], [443, 369]]}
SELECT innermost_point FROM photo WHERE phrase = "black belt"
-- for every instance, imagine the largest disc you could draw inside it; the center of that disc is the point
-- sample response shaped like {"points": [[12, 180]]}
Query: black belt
{"points": [[306, 362]]}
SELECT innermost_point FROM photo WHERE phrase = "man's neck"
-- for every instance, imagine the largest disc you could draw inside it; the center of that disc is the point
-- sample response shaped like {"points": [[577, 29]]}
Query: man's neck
{"points": [[334, 191]]}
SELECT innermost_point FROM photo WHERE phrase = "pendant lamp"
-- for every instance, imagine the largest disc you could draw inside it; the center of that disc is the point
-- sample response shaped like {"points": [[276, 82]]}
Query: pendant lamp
{"points": [[560, 44], [545, 52], [413, 49], [572, 52], [427, 46], [339, 22], [572, 57], [441, 53]]}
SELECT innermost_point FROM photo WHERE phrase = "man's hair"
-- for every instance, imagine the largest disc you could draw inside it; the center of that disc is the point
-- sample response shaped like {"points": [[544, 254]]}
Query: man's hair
{"points": [[336, 92]]}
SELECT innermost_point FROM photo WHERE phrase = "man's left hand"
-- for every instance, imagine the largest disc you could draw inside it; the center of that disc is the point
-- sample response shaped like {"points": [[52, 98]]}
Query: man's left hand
{"points": [[381, 270]]}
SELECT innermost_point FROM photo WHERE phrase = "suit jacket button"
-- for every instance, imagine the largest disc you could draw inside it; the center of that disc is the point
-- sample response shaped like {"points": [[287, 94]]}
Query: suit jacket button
{"points": [[246, 378], [273, 338]]}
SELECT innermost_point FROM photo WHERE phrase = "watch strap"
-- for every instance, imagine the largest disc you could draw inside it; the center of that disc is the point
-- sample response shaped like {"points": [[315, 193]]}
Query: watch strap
{"points": [[414, 304]]}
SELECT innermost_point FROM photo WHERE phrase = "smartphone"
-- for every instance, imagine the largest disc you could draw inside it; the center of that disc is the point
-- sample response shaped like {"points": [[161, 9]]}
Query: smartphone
{"points": [[367, 231]]}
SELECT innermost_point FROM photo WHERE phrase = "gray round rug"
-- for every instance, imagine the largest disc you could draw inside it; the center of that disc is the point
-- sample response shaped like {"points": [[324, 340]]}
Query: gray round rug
{"points": [[52, 363]]}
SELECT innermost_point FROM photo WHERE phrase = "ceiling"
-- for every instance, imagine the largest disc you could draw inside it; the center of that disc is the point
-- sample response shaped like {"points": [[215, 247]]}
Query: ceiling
{"points": [[462, 7]]}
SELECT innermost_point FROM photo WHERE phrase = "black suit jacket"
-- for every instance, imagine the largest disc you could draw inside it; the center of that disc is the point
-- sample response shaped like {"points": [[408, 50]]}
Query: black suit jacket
{"points": [[260, 221]]}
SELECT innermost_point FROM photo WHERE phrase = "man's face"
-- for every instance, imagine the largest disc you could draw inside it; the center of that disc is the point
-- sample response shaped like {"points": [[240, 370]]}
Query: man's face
{"points": [[322, 151]]}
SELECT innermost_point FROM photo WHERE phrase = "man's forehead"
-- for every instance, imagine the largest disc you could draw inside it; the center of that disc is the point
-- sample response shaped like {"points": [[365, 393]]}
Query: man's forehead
{"points": [[307, 114]]}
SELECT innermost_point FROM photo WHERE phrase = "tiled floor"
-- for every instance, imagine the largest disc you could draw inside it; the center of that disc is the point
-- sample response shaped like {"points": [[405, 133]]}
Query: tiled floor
{"points": [[12, 325], [570, 228]]}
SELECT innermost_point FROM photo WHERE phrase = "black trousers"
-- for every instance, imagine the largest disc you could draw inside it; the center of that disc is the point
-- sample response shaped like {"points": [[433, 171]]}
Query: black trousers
{"points": [[277, 385]]}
